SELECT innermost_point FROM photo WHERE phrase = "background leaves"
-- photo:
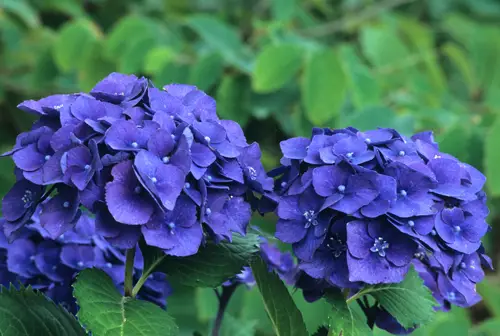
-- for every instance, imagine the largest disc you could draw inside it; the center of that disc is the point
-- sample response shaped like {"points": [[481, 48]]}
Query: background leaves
{"points": [[412, 65]]}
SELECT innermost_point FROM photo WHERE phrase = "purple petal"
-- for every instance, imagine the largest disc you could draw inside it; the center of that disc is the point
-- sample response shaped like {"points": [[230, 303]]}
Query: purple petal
{"points": [[295, 148], [127, 200], [162, 180]]}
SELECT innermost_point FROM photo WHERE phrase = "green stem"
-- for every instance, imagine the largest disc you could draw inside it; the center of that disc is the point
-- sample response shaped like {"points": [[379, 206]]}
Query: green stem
{"points": [[144, 277], [129, 271]]}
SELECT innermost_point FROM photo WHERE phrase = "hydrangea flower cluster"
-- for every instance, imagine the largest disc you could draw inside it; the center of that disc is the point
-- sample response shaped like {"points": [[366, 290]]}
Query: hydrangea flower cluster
{"points": [[149, 163], [50, 265], [360, 208]]}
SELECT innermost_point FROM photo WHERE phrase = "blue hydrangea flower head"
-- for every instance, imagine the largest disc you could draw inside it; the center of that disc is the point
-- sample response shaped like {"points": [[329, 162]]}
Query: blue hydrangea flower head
{"points": [[50, 265], [147, 162], [361, 208]]}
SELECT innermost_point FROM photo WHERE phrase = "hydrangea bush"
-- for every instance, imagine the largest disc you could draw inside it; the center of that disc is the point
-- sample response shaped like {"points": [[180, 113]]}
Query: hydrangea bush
{"points": [[128, 191]]}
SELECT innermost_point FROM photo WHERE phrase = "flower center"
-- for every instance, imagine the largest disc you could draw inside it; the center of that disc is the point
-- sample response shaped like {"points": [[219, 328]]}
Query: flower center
{"points": [[134, 144], [368, 141], [433, 232], [47, 157], [457, 229], [402, 153], [27, 199], [109, 265], [208, 211], [341, 188], [379, 246], [87, 167], [171, 227], [187, 185], [349, 155], [207, 139], [154, 180], [310, 216], [336, 246], [462, 265], [451, 296], [411, 223], [403, 192], [66, 204], [165, 159], [80, 264], [252, 173]]}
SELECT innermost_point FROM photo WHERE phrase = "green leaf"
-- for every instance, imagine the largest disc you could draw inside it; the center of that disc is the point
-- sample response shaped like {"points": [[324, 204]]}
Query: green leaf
{"points": [[344, 320], [157, 58], [363, 85], [489, 327], [323, 87], [210, 267], [410, 301], [94, 67], [233, 98], [376, 116], [283, 10], [105, 312], [132, 60], [275, 66], [490, 291], [171, 72], [221, 38], [285, 317], [73, 44], [238, 327], [206, 71], [26, 312], [23, 10], [492, 158], [125, 33]]}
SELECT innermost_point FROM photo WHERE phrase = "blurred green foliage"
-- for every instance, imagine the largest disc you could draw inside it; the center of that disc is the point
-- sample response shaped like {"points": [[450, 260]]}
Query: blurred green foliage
{"points": [[278, 67]]}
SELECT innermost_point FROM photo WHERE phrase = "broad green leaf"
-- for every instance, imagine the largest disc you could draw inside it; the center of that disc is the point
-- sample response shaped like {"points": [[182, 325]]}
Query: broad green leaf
{"points": [[363, 85], [492, 158], [422, 41], [222, 38], [23, 10], [283, 10], [458, 58], [315, 314], [275, 66], [343, 320], [73, 44], [233, 98], [104, 311], [456, 139], [285, 317], [323, 87], [410, 301], [206, 71], [132, 60], [391, 58], [125, 32], [238, 327], [489, 327], [171, 72], [26, 312], [157, 58], [490, 291], [94, 67], [210, 267], [181, 306], [454, 322], [71, 7], [376, 116]]}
